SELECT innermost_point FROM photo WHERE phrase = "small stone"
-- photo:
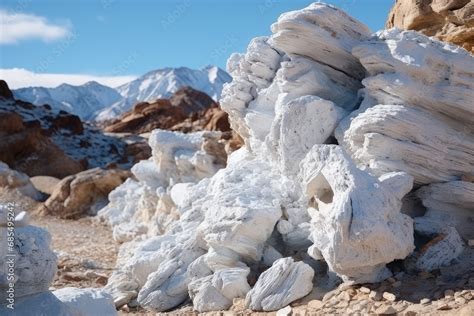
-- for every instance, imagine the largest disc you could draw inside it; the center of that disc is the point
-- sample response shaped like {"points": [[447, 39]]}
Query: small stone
{"points": [[449, 293], [365, 290], [286, 311], [344, 296], [329, 295], [425, 301], [471, 242], [375, 296], [385, 310], [315, 304], [443, 307], [389, 296], [460, 300]]}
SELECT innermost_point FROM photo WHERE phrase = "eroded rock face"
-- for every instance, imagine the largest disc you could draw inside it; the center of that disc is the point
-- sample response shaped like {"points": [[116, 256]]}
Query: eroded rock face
{"points": [[289, 192], [448, 20], [83, 193], [356, 235], [417, 112], [16, 180], [285, 282]]}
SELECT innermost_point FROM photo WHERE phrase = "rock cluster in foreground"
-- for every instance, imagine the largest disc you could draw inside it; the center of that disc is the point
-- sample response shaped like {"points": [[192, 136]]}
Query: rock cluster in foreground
{"points": [[344, 132]]}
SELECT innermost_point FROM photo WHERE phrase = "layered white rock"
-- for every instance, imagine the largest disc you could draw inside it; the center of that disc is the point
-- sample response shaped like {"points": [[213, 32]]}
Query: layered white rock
{"points": [[325, 34], [285, 282], [386, 138], [450, 204], [417, 115], [356, 219]]}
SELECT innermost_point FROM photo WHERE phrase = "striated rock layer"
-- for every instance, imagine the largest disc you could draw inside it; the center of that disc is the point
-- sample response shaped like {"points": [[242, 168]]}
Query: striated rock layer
{"points": [[448, 20], [339, 125]]}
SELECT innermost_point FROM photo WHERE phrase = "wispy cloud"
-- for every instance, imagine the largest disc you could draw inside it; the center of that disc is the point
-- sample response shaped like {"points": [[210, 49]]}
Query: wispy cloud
{"points": [[16, 27], [20, 78]]}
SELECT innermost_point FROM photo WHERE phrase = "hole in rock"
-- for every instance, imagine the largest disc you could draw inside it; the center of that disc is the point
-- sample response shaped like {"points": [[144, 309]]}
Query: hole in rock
{"points": [[320, 191]]}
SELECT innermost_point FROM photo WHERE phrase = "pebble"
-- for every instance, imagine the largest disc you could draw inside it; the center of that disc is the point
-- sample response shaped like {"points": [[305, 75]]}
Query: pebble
{"points": [[385, 310], [425, 301], [460, 300], [443, 307], [315, 304], [365, 290], [389, 296], [344, 296], [286, 311], [375, 296]]}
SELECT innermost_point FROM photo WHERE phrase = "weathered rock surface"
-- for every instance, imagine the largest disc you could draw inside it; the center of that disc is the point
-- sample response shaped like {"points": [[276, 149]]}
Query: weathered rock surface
{"points": [[86, 301], [39, 141], [16, 180], [285, 282], [187, 110], [450, 204], [83, 193], [356, 235], [412, 119], [448, 20], [207, 233]]}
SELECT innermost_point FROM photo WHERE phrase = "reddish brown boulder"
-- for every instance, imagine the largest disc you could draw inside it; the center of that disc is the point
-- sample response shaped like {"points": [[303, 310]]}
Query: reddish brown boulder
{"points": [[448, 20], [69, 122]]}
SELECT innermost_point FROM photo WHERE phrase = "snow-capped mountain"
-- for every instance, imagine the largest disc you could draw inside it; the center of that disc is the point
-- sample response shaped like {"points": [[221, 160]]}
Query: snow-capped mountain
{"points": [[83, 100], [93, 101], [163, 83]]}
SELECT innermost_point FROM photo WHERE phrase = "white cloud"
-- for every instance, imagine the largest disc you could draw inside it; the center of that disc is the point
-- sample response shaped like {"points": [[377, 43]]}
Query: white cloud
{"points": [[20, 78], [15, 27]]}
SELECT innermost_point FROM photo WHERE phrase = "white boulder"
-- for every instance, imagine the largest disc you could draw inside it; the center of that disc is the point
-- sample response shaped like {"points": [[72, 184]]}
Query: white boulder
{"points": [[285, 282]]}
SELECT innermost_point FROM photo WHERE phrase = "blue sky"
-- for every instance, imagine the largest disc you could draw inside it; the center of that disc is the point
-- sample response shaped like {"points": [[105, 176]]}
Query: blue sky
{"points": [[123, 38]]}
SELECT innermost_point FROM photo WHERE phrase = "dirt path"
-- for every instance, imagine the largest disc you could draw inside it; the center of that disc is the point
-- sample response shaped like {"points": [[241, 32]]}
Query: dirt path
{"points": [[85, 248]]}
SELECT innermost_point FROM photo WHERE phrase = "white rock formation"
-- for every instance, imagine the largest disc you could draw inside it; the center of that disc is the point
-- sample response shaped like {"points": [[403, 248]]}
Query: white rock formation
{"points": [[422, 121], [356, 221], [198, 233], [29, 267], [285, 282], [450, 204], [143, 206], [86, 302]]}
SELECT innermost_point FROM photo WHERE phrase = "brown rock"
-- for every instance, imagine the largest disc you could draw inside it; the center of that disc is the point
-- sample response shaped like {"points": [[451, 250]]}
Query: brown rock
{"points": [[5, 90], [68, 121], [83, 193], [448, 20]]}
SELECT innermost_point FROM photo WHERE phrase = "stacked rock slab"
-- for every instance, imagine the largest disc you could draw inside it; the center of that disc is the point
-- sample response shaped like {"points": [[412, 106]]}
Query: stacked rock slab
{"points": [[291, 191]]}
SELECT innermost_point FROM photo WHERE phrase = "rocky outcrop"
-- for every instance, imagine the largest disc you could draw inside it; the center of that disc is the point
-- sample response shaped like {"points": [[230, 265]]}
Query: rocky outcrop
{"points": [[338, 125], [40, 141], [83, 193], [187, 110], [448, 20]]}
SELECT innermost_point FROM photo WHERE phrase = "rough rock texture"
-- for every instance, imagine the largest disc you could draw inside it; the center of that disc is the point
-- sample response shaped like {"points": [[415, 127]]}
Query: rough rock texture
{"points": [[35, 263], [187, 110], [285, 282], [83, 193], [356, 235], [37, 140], [448, 20], [16, 180], [450, 204], [298, 189], [417, 112]]}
